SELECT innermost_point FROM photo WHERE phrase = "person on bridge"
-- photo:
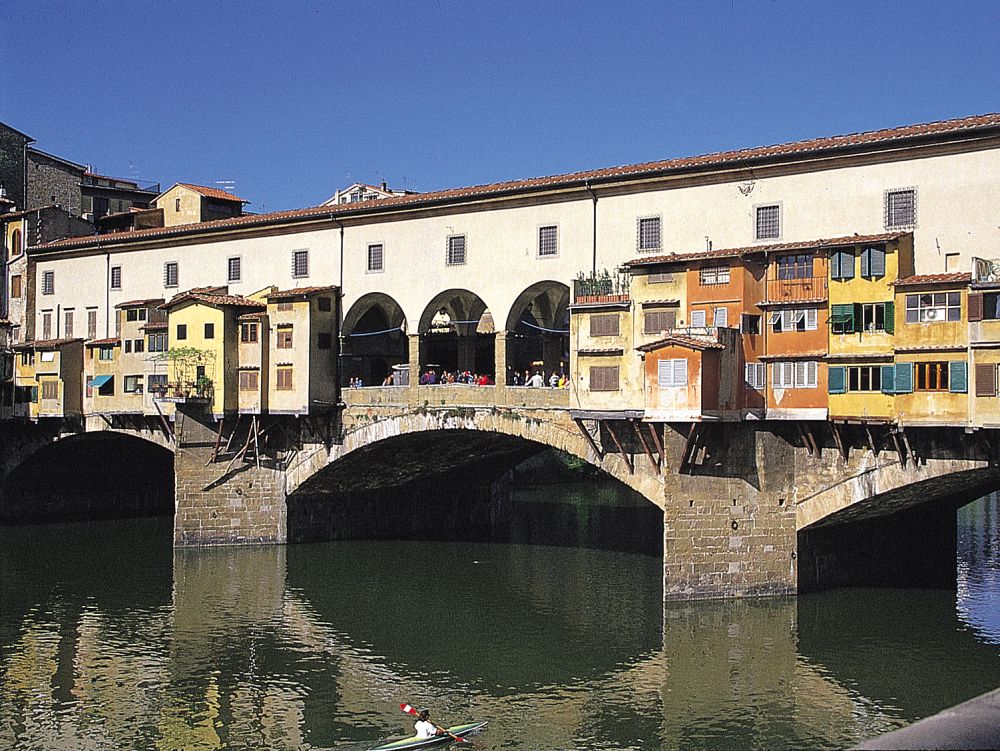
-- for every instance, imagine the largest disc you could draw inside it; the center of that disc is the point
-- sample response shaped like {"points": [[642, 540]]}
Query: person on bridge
{"points": [[424, 727], [536, 381]]}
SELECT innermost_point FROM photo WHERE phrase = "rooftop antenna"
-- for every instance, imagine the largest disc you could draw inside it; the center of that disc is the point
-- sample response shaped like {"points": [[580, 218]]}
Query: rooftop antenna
{"points": [[227, 185]]}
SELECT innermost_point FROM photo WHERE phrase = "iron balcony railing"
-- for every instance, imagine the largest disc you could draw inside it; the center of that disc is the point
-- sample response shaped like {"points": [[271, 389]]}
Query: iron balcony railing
{"points": [[796, 290]]}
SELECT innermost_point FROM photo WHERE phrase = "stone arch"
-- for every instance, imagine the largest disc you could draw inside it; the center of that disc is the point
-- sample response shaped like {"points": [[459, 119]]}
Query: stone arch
{"points": [[374, 339], [538, 329], [457, 333], [90, 475]]}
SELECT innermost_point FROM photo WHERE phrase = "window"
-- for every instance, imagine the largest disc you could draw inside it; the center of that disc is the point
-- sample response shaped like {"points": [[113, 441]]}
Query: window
{"points": [[46, 325], [755, 374], [864, 378], [720, 319], [106, 352], [931, 376], [604, 378], [663, 277], [794, 375], [842, 264], [116, 277], [672, 373], [89, 386], [128, 346], [877, 317], [934, 307], [132, 384], [606, 324], [249, 380], [900, 208], [324, 340], [873, 262], [768, 222], [300, 264], [548, 241], [795, 266], [48, 282], [68, 324], [170, 274], [91, 324], [986, 379], [209, 330], [158, 342], [984, 306], [710, 275], [657, 321], [50, 389], [177, 204], [15, 242], [156, 383], [182, 332], [698, 319], [793, 319], [375, 257], [456, 250], [749, 323], [248, 333], [283, 306], [284, 380], [15, 286], [234, 269], [952, 261], [324, 304], [284, 337], [648, 231], [138, 345]]}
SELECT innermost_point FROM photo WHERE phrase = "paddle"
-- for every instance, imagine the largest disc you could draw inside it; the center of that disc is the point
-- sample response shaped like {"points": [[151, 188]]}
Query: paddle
{"points": [[410, 710]]}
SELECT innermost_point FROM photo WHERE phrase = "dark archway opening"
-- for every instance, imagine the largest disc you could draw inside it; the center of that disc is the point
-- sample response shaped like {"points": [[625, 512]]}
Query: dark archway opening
{"points": [[538, 332], [459, 485], [374, 340], [99, 475], [457, 337]]}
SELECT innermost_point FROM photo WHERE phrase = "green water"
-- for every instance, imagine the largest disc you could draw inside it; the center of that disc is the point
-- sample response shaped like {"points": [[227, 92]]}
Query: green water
{"points": [[109, 639]]}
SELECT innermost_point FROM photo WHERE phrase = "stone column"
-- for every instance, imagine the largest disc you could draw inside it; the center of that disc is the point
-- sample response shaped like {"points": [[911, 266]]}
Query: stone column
{"points": [[213, 507], [413, 343], [500, 358]]}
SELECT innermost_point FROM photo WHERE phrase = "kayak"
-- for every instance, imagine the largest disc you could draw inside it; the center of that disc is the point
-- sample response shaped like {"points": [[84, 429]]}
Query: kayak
{"points": [[414, 742]]}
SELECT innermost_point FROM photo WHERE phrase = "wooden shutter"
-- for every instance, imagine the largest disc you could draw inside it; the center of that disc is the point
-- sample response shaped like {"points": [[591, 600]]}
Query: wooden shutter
{"points": [[890, 318], [604, 325], [604, 378], [877, 267], [866, 262], [903, 381], [986, 379], [680, 370], [888, 379], [663, 374], [958, 377], [976, 306]]}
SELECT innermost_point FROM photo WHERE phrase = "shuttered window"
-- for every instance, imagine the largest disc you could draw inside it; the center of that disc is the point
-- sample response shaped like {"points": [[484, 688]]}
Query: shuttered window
{"points": [[672, 373], [50, 389], [660, 278], [720, 319], [249, 380], [604, 378], [903, 380], [986, 379], [656, 321], [604, 325], [285, 337], [794, 375], [842, 264], [975, 306], [284, 380], [958, 377], [836, 377], [842, 318], [755, 374], [873, 262], [698, 319]]}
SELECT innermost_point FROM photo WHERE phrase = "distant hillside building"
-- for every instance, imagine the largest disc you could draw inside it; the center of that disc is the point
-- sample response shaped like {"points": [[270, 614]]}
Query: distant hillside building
{"points": [[362, 192], [184, 203]]}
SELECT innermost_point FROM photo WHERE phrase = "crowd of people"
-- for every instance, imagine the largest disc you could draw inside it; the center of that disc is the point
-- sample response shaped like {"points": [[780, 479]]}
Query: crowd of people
{"points": [[431, 377]]}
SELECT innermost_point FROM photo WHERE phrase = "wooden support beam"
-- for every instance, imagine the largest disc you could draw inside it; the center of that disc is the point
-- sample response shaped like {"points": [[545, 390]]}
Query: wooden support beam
{"points": [[645, 446], [590, 438], [256, 441], [909, 448], [805, 440], [689, 446], [166, 425], [229, 441], [218, 442], [107, 421], [626, 456], [871, 440], [815, 451], [656, 441], [899, 448], [839, 440]]}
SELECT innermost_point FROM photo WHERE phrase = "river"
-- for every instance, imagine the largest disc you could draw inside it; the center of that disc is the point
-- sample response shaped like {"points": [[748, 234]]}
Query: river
{"points": [[109, 639]]}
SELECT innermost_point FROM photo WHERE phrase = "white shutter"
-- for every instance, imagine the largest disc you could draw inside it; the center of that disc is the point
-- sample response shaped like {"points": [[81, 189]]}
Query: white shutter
{"points": [[811, 319], [663, 373], [680, 372], [811, 367], [787, 320], [698, 319], [721, 317]]}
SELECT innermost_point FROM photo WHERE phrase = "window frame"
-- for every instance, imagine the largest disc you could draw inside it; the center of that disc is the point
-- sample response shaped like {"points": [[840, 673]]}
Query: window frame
{"points": [[554, 253], [49, 282], [672, 373], [757, 221], [918, 310], [115, 281], [372, 268], [300, 271], [642, 243], [450, 250], [169, 266], [888, 212], [605, 371], [601, 319], [712, 276], [239, 269]]}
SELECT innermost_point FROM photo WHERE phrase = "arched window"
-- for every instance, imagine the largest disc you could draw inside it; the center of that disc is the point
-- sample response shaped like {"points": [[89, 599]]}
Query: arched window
{"points": [[15, 242]]}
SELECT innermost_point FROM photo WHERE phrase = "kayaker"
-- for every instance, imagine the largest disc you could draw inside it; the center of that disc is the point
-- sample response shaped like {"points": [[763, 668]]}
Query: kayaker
{"points": [[424, 727]]}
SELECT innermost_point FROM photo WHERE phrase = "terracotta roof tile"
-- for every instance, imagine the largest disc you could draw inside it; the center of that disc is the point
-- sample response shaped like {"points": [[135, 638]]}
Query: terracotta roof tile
{"points": [[155, 326], [212, 296], [140, 303], [45, 343], [222, 195], [957, 127], [288, 294], [102, 342], [750, 250], [813, 355], [692, 342], [955, 277]]}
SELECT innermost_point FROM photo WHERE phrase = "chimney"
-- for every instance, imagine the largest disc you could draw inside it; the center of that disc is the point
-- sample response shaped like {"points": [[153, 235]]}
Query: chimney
{"points": [[385, 187]]}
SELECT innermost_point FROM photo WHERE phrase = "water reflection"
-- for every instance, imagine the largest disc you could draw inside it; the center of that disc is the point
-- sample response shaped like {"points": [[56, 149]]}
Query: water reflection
{"points": [[108, 644]]}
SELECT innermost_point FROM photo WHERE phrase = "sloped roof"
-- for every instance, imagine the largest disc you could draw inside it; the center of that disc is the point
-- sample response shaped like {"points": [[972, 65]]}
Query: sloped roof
{"points": [[102, 342], [217, 193], [956, 277], [217, 296], [140, 303], [958, 127], [289, 294], [682, 340], [46, 343]]}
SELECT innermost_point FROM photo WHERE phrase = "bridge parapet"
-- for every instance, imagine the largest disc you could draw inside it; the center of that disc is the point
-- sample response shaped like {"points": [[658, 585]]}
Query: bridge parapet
{"points": [[457, 395]]}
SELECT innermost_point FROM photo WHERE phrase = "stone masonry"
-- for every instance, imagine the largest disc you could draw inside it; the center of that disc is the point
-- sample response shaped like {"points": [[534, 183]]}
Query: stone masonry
{"points": [[244, 505]]}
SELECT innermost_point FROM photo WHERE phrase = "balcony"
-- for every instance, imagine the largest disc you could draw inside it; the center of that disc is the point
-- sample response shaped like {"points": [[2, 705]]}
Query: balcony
{"points": [[796, 290], [600, 288]]}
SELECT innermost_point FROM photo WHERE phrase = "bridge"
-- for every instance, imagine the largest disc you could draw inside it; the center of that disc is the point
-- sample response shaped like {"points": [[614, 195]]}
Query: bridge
{"points": [[748, 508]]}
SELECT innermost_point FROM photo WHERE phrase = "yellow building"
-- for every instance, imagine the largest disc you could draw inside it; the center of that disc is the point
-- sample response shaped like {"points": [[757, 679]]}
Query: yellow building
{"points": [[47, 379], [254, 357], [203, 356], [932, 340], [184, 203], [102, 377], [983, 306], [863, 321], [302, 359]]}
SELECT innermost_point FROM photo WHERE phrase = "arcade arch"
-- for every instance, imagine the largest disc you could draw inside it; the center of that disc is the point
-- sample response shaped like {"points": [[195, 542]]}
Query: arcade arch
{"points": [[374, 339]]}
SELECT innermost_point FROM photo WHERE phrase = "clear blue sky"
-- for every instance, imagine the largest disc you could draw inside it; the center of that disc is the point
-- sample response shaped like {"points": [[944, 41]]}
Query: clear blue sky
{"points": [[292, 100]]}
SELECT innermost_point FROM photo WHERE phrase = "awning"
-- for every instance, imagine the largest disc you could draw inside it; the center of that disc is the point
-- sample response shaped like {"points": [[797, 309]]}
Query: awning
{"points": [[840, 319], [100, 381]]}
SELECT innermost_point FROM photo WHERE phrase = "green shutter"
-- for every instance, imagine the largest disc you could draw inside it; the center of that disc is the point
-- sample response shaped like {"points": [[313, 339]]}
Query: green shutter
{"points": [[34, 394], [958, 377], [888, 379], [903, 382], [866, 262], [836, 378], [890, 317]]}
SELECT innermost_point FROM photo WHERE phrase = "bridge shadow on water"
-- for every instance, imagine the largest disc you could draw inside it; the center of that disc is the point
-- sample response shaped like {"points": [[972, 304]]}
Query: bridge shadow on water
{"points": [[472, 486]]}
